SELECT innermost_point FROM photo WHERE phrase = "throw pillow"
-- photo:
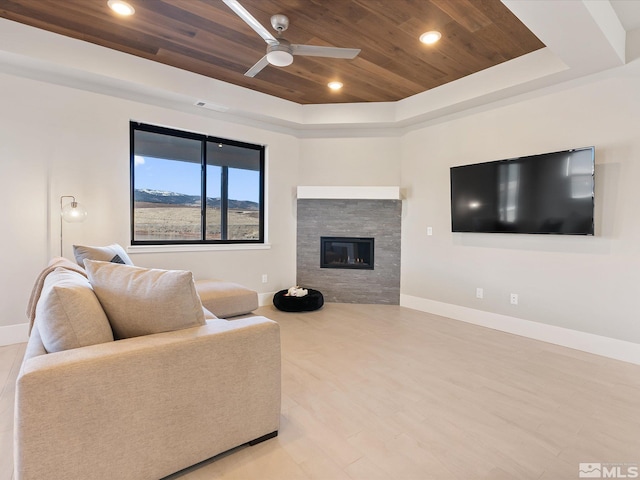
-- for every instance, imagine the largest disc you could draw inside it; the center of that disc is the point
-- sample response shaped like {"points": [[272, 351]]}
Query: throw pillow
{"points": [[141, 301], [111, 253], [68, 313]]}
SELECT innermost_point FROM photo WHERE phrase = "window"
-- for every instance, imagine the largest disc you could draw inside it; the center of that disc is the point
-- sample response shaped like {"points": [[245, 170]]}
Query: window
{"points": [[188, 188]]}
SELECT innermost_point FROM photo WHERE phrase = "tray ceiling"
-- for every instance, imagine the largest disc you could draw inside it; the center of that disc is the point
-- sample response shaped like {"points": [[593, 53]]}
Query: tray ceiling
{"points": [[206, 37]]}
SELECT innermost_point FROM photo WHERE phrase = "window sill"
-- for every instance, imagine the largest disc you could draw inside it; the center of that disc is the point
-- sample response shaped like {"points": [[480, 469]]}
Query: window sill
{"points": [[196, 248]]}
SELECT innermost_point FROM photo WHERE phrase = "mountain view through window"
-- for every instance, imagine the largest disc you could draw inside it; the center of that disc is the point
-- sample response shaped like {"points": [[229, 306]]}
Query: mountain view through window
{"points": [[188, 188]]}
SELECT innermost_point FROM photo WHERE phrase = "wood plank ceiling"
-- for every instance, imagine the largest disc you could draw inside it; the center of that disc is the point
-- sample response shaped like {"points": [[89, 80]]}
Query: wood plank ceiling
{"points": [[206, 37]]}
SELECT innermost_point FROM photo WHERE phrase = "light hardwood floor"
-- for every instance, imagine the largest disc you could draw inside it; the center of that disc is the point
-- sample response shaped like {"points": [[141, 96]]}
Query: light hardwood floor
{"points": [[384, 392]]}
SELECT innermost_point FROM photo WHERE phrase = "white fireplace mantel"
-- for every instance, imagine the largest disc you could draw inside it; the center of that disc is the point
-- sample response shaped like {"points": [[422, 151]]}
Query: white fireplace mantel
{"points": [[349, 193]]}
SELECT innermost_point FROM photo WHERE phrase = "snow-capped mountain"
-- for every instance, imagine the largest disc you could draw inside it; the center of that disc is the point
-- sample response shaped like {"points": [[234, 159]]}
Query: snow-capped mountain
{"points": [[172, 198]]}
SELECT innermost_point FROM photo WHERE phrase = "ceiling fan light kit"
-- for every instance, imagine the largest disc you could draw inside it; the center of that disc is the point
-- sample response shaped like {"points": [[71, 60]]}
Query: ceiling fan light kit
{"points": [[280, 55], [280, 52]]}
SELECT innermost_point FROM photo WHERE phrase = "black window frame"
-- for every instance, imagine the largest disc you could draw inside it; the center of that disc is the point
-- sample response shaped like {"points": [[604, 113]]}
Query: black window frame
{"points": [[224, 200]]}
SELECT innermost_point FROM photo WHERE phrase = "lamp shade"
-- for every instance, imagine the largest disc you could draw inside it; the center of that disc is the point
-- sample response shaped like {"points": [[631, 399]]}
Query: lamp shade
{"points": [[73, 212]]}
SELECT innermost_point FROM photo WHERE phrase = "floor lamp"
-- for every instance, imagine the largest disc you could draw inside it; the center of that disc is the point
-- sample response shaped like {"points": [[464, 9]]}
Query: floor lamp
{"points": [[72, 212]]}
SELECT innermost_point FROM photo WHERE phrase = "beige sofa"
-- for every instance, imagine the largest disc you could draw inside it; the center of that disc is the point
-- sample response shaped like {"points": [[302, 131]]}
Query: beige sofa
{"points": [[147, 406]]}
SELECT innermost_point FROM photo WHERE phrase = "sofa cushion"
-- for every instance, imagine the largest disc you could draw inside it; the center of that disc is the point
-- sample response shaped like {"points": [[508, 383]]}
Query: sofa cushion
{"points": [[111, 253], [141, 301], [226, 299], [68, 313], [208, 314]]}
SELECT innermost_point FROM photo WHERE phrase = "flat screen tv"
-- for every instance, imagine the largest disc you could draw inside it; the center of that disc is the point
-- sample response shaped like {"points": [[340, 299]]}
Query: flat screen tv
{"points": [[551, 193]]}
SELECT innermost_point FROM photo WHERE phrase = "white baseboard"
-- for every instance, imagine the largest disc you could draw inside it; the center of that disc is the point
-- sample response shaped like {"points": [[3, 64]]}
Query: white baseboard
{"points": [[11, 334], [265, 299], [586, 342]]}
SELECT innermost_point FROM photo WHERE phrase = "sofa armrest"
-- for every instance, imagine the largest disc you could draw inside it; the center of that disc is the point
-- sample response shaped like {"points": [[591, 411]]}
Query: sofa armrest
{"points": [[148, 406]]}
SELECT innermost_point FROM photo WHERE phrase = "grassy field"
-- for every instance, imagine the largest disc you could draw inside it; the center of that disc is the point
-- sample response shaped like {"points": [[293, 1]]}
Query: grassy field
{"points": [[153, 222]]}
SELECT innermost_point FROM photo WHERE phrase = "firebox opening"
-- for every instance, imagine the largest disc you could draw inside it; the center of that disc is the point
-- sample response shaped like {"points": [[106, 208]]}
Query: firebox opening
{"points": [[346, 252]]}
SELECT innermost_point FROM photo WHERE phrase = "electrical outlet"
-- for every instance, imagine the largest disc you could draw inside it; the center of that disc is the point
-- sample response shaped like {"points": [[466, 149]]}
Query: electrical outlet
{"points": [[265, 278], [479, 293], [514, 299], [429, 231]]}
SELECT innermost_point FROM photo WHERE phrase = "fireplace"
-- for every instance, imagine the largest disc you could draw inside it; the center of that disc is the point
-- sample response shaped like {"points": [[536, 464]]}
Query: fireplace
{"points": [[366, 216], [346, 252]]}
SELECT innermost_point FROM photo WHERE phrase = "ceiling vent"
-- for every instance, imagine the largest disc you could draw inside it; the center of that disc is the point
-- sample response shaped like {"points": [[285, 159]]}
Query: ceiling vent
{"points": [[211, 106]]}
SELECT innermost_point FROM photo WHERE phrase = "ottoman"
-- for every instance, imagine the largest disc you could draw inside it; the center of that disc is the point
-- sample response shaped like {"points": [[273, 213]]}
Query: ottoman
{"points": [[310, 302], [226, 299]]}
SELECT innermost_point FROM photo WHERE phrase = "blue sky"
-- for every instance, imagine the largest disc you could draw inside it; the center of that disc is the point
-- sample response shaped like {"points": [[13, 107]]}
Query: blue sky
{"points": [[183, 177]]}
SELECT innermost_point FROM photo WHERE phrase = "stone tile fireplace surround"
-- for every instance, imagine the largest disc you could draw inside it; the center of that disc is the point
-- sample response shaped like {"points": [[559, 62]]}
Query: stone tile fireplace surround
{"points": [[374, 212]]}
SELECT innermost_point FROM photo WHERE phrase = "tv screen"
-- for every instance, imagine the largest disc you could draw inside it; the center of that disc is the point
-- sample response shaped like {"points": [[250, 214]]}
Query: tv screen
{"points": [[550, 193]]}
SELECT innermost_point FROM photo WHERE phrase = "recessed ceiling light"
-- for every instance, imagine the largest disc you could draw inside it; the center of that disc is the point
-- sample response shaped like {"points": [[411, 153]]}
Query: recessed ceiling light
{"points": [[430, 37], [121, 8], [335, 85]]}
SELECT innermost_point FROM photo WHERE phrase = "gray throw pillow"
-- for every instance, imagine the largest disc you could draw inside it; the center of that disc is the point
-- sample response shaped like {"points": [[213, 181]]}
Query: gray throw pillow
{"points": [[111, 253]]}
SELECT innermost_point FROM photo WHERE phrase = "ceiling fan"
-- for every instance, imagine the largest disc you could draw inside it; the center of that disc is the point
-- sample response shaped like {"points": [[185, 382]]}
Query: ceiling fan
{"points": [[280, 51]]}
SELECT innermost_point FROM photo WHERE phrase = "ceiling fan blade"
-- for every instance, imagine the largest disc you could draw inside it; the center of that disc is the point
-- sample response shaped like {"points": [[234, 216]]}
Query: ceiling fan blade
{"points": [[329, 52], [251, 21], [253, 71]]}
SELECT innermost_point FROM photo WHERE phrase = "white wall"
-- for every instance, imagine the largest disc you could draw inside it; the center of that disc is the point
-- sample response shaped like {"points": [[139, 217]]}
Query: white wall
{"points": [[589, 284], [351, 161], [24, 183], [57, 141]]}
